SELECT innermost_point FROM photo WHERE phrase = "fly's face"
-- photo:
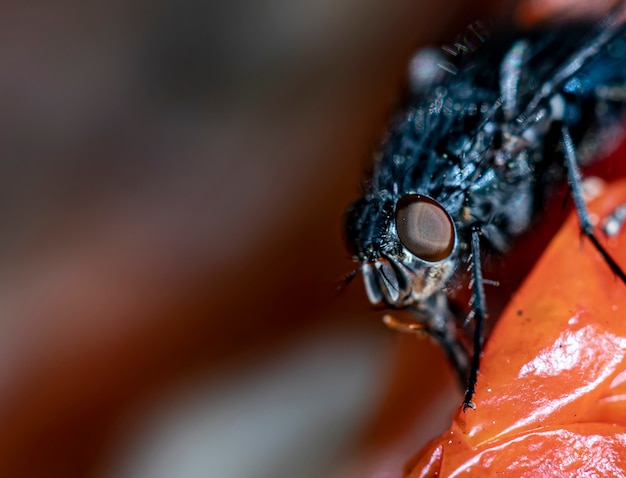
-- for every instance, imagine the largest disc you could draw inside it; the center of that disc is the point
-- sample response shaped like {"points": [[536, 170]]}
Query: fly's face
{"points": [[411, 256]]}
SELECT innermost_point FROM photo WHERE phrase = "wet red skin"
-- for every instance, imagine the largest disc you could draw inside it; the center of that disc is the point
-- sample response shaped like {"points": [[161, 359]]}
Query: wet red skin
{"points": [[551, 394]]}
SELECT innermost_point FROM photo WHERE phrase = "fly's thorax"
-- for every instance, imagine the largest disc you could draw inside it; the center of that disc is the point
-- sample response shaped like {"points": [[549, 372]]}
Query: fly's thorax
{"points": [[517, 142]]}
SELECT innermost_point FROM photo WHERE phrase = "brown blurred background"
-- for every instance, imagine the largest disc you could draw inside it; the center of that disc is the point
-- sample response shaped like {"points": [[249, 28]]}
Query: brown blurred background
{"points": [[172, 181]]}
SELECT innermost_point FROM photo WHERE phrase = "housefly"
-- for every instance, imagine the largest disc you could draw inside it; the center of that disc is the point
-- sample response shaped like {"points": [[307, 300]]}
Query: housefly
{"points": [[468, 160]]}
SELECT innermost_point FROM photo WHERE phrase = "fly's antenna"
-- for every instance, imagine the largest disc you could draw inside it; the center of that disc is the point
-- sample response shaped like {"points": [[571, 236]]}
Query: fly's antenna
{"points": [[343, 283]]}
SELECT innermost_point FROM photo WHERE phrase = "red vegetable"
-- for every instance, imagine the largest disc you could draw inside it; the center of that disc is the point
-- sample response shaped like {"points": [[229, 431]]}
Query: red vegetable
{"points": [[551, 395]]}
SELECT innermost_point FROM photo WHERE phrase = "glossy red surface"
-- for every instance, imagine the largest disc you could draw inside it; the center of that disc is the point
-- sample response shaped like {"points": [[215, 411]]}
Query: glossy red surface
{"points": [[551, 395]]}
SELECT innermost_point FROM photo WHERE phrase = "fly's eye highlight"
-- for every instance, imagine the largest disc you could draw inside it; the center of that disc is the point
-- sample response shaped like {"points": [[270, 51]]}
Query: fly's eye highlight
{"points": [[425, 228]]}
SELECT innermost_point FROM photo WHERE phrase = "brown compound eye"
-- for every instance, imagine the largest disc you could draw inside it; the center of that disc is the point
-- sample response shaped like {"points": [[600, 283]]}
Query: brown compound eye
{"points": [[425, 228]]}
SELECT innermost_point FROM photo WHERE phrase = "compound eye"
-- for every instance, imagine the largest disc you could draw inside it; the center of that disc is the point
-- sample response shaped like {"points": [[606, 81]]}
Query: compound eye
{"points": [[424, 227]]}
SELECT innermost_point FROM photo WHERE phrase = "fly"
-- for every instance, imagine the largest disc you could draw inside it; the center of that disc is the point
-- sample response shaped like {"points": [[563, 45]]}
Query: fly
{"points": [[467, 162]]}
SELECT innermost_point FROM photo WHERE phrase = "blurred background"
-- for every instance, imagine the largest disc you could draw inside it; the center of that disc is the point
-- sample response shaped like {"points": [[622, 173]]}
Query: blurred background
{"points": [[172, 181]]}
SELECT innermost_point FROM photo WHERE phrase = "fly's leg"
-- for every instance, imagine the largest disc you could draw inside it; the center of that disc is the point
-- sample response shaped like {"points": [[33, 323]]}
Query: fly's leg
{"points": [[436, 320], [441, 324], [479, 311], [510, 76], [574, 181], [456, 353]]}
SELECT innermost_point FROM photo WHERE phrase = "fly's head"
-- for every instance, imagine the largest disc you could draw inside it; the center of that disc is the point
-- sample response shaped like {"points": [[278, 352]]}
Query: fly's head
{"points": [[407, 247]]}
